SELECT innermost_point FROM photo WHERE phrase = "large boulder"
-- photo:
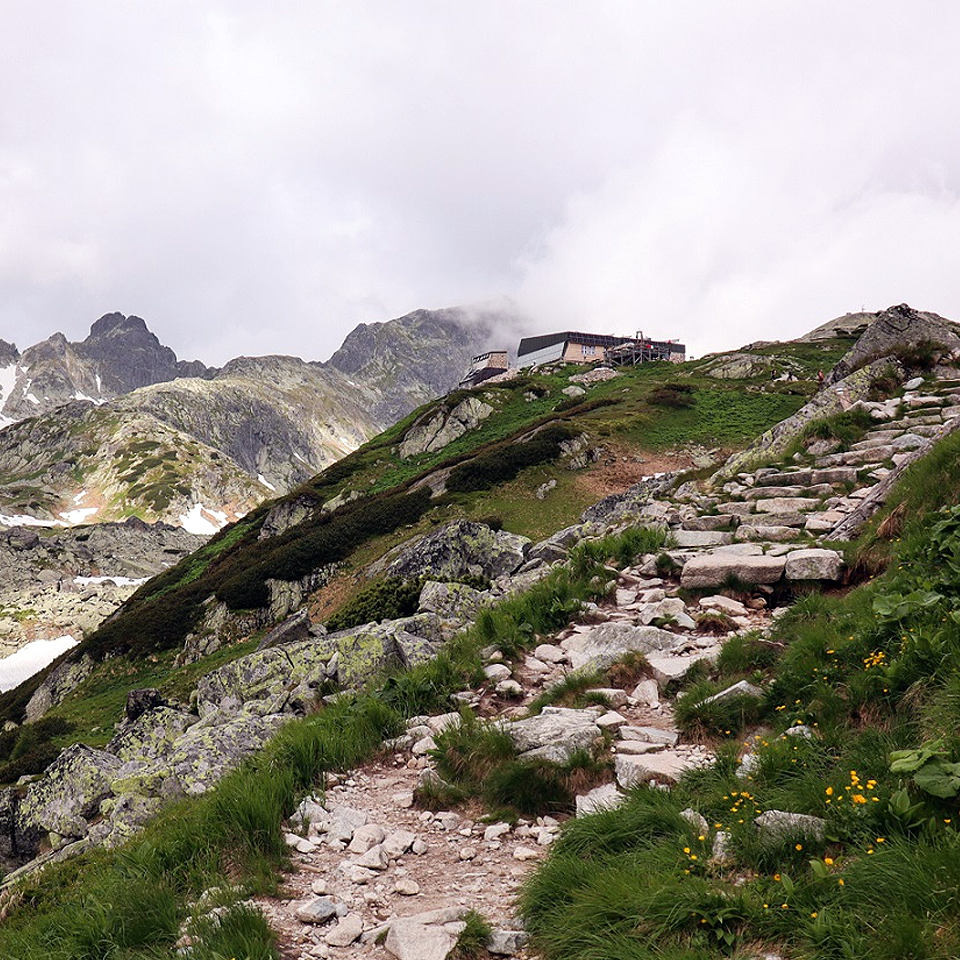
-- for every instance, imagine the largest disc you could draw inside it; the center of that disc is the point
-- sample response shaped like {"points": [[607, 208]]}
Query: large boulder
{"points": [[890, 330], [205, 753], [70, 791], [19, 841], [266, 675], [555, 734], [286, 678], [460, 549], [713, 570], [436, 429], [596, 647], [152, 734], [57, 685], [454, 604], [813, 564]]}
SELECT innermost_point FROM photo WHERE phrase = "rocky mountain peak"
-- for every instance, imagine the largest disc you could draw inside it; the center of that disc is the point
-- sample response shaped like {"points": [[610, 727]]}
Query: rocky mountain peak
{"points": [[9, 354], [418, 355], [116, 324]]}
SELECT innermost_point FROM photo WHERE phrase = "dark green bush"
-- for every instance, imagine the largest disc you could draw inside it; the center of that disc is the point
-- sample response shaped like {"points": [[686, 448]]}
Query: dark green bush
{"points": [[505, 460], [675, 395], [387, 599], [26, 749]]}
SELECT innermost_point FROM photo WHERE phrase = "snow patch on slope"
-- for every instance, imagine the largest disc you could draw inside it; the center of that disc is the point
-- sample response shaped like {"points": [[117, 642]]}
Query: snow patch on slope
{"points": [[78, 516], [118, 581], [262, 479], [8, 380], [203, 520], [23, 520], [30, 659]]}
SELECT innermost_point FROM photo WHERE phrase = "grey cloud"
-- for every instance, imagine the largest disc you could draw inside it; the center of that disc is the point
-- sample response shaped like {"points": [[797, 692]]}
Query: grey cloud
{"points": [[254, 180]]}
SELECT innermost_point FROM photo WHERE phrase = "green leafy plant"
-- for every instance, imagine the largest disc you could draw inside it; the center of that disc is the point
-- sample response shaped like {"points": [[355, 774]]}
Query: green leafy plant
{"points": [[929, 768]]}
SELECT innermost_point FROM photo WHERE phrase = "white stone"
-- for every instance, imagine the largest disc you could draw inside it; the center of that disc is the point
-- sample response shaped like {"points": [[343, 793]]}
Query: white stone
{"points": [[647, 692], [347, 930], [549, 653], [525, 853], [727, 604], [396, 844], [813, 564], [376, 858], [604, 797], [496, 830]]}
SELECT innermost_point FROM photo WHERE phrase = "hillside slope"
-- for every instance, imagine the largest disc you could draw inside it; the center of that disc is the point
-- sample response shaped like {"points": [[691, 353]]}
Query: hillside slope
{"points": [[676, 568], [259, 425]]}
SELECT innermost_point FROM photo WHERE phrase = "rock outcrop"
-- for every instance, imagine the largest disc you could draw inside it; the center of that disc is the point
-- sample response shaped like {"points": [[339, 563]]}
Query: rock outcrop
{"points": [[892, 329]]}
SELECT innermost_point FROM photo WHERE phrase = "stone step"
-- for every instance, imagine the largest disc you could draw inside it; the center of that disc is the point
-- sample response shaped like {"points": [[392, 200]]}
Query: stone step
{"points": [[787, 504], [701, 538], [921, 419], [714, 522], [872, 444], [785, 478], [766, 533], [738, 508], [887, 433], [779, 493]]}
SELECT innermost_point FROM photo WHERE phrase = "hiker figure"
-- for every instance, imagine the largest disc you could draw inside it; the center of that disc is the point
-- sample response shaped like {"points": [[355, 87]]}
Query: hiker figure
{"points": [[820, 378]]}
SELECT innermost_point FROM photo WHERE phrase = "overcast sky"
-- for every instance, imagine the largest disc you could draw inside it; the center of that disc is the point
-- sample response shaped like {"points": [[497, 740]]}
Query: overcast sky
{"points": [[254, 178]]}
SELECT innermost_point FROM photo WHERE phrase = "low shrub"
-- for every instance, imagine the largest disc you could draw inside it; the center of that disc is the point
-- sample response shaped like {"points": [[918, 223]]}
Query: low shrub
{"points": [[387, 599], [698, 719], [472, 942], [504, 461], [847, 427], [675, 395]]}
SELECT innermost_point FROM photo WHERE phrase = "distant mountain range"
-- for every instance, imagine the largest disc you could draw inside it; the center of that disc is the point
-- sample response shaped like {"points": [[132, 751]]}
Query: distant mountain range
{"points": [[115, 425]]}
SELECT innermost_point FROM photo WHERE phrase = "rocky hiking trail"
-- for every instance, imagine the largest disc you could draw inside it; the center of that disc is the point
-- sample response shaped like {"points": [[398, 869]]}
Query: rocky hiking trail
{"points": [[375, 876]]}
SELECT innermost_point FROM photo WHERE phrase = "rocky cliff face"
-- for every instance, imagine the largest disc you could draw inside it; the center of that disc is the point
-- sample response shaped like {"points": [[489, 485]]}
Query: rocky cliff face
{"points": [[119, 426], [119, 355], [406, 362]]}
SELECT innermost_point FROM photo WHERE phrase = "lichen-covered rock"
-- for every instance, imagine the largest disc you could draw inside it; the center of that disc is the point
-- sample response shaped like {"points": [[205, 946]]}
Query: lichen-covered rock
{"points": [[265, 675], [460, 549], [61, 680], [122, 818], [70, 792], [199, 759], [19, 841], [440, 427], [152, 734], [454, 604]]}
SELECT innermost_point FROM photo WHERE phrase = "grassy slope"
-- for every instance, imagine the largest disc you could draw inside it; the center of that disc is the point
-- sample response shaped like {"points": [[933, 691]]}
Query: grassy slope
{"points": [[617, 413], [871, 672]]}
